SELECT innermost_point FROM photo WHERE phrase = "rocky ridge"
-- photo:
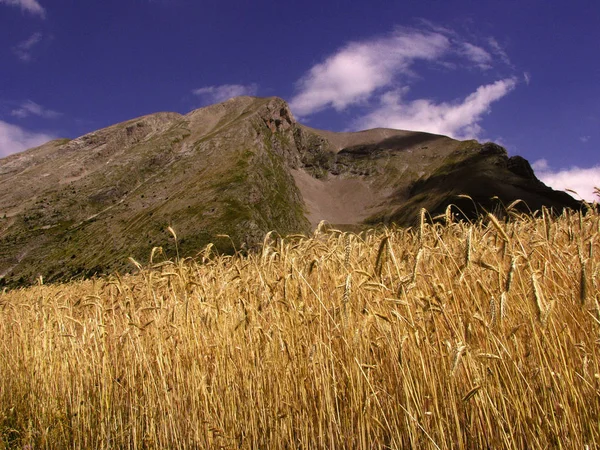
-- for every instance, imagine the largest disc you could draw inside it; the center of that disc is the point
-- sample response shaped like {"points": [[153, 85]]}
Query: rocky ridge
{"points": [[240, 168]]}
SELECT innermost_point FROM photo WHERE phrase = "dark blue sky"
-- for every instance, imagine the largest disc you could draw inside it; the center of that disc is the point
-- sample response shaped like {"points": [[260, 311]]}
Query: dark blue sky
{"points": [[523, 73]]}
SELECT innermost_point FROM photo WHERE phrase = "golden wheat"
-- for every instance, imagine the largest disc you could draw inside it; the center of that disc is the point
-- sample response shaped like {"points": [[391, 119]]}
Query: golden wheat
{"points": [[439, 345]]}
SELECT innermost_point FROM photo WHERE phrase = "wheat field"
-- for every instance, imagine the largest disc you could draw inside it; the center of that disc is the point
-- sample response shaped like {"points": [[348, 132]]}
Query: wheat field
{"points": [[454, 335]]}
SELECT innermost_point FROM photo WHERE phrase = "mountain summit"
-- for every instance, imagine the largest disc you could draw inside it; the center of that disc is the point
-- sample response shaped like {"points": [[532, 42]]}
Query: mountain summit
{"points": [[240, 168]]}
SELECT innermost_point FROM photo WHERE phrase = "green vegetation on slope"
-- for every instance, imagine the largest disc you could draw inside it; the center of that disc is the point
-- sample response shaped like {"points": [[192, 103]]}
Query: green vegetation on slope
{"points": [[117, 191]]}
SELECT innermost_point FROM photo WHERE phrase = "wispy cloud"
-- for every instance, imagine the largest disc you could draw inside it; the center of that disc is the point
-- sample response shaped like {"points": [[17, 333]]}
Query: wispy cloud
{"points": [[31, 6], [585, 139], [14, 139], [459, 119], [499, 51], [477, 55], [218, 94], [377, 75], [355, 72], [541, 165], [29, 108], [23, 49], [581, 180]]}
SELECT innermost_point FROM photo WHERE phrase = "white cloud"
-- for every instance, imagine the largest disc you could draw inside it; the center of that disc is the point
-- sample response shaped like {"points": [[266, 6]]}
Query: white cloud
{"points": [[356, 71], [477, 55], [29, 108], [458, 119], [31, 6], [15, 139], [218, 94], [581, 180], [527, 78], [585, 139], [541, 165], [499, 51], [23, 49], [377, 74]]}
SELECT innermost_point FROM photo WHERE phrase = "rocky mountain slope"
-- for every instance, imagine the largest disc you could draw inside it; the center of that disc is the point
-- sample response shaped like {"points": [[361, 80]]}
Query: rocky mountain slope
{"points": [[239, 168]]}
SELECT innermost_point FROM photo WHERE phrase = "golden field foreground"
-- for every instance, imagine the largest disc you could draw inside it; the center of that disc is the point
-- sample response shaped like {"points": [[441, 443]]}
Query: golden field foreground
{"points": [[443, 336]]}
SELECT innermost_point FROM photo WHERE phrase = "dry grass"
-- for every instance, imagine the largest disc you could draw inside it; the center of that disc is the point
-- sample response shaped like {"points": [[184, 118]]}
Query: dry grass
{"points": [[455, 336]]}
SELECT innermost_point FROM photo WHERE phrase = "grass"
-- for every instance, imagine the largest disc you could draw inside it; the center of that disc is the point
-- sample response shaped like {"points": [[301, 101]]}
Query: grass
{"points": [[461, 335]]}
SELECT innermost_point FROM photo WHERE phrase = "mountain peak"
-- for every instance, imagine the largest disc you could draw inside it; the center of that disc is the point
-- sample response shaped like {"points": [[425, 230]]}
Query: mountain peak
{"points": [[212, 117], [241, 168]]}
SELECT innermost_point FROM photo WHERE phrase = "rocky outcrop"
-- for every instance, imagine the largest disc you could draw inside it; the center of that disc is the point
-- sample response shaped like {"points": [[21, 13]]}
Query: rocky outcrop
{"points": [[520, 166]]}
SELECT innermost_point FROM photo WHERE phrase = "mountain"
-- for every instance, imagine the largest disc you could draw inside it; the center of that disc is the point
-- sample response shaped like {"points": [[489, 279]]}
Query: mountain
{"points": [[240, 168]]}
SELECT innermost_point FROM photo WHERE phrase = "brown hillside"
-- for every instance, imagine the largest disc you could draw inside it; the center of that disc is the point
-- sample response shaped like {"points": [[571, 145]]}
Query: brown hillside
{"points": [[240, 168]]}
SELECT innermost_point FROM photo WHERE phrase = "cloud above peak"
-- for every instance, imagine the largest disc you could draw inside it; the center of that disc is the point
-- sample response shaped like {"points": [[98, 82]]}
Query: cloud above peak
{"points": [[352, 74], [218, 94], [14, 139], [582, 181], [376, 75], [30, 6], [29, 108], [458, 119]]}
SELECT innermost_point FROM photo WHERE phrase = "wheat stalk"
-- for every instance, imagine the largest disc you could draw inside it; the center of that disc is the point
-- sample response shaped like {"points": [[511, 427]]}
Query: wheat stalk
{"points": [[498, 227], [381, 252]]}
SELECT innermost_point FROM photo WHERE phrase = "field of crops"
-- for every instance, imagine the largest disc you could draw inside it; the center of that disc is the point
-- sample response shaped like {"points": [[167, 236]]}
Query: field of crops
{"points": [[451, 335]]}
